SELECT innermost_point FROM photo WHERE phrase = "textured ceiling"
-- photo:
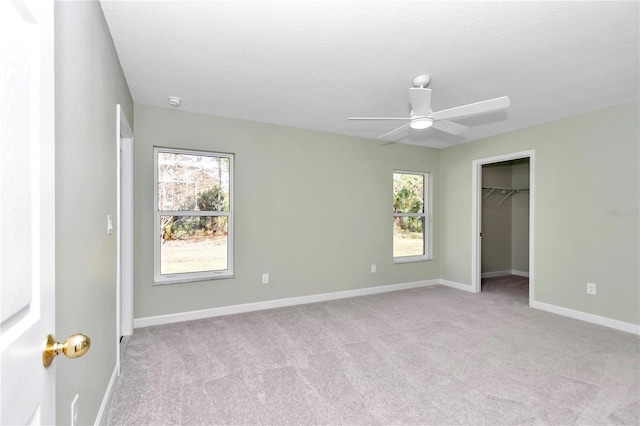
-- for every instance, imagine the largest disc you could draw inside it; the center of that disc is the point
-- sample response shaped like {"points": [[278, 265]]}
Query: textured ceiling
{"points": [[312, 64]]}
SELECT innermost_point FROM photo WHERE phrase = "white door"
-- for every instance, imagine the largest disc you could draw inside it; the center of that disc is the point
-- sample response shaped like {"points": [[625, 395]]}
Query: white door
{"points": [[27, 226]]}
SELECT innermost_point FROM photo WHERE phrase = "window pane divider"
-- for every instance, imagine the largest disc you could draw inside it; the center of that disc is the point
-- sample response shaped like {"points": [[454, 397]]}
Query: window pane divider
{"points": [[410, 215], [192, 213]]}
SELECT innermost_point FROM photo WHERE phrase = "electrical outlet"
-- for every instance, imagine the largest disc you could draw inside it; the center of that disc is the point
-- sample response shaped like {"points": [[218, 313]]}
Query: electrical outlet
{"points": [[591, 288], [373, 269], [74, 411], [265, 278]]}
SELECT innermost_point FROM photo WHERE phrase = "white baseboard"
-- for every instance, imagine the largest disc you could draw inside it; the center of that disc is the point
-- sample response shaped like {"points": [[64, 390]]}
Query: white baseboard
{"points": [[495, 274], [579, 315], [458, 286], [584, 316], [278, 303], [107, 396], [503, 273]]}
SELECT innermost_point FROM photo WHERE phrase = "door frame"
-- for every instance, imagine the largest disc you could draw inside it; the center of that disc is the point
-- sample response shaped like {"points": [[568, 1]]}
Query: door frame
{"points": [[476, 216], [124, 221]]}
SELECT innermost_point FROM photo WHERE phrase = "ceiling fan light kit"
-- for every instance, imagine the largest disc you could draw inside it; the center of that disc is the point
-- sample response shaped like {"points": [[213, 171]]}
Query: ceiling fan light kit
{"points": [[421, 123], [422, 117]]}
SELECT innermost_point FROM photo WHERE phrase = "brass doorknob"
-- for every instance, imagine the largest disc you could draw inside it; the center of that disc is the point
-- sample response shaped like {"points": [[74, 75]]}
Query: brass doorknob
{"points": [[75, 346]]}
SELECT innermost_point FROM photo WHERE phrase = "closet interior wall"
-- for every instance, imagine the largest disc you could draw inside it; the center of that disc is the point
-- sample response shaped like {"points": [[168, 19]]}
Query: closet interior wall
{"points": [[505, 222]]}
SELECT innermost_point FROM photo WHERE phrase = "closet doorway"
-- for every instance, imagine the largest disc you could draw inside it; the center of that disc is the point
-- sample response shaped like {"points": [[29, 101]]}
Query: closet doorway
{"points": [[503, 200]]}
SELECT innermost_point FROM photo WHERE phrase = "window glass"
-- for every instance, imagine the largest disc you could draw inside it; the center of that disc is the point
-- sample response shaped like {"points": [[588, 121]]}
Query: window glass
{"points": [[408, 236], [193, 219], [408, 193], [410, 219]]}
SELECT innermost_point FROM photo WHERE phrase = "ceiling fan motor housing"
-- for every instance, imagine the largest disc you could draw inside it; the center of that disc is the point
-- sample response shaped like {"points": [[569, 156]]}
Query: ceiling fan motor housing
{"points": [[422, 80]]}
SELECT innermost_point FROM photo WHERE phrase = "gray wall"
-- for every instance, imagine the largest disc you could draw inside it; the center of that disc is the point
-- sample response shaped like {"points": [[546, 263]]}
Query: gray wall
{"points": [[311, 209], [505, 226], [585, 165], [89, 84], [520, 217], [496, 219]]}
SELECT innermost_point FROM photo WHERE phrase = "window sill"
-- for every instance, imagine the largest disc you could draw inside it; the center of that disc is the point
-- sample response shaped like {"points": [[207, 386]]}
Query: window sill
{"points": [[193, 279], [411, 259]]}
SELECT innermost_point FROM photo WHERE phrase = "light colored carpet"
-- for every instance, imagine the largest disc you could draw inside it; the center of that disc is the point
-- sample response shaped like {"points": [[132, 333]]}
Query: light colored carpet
{"points": [[432, 355]]}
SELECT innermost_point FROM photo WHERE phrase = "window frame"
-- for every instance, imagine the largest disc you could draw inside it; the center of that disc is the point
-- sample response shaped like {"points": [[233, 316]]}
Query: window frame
{"points": [[426, 214], [158, 278]]}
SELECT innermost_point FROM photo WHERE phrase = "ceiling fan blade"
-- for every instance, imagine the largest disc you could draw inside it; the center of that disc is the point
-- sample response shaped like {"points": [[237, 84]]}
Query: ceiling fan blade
{"points": [[379, 118], [475, 108], [420, 101], [394, 131], [449, 127]]}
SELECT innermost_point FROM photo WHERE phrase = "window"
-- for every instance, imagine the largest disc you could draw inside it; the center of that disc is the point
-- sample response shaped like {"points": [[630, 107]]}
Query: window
{"points": [[193, 215], [411, 217]]}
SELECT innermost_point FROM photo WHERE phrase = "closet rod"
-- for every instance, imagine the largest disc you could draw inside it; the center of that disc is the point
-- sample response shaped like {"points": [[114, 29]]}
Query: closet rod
{"points": [[503, 190]]}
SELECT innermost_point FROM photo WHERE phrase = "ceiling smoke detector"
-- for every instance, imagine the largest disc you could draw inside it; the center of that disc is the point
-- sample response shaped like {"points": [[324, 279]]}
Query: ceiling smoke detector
{"points": [[175, 101]]}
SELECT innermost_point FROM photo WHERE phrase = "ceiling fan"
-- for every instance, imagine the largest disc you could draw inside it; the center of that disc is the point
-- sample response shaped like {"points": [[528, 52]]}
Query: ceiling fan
{"points": [[421, 116]]}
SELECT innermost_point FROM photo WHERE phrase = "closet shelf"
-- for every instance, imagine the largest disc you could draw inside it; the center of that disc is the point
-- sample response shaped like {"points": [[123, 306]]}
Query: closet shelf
{"points": [[502, 190]]}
